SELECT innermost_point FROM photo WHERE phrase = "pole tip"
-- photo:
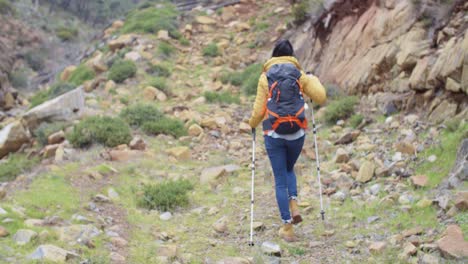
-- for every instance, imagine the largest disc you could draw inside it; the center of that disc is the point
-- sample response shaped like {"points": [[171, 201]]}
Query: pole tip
{"points": [[251, 244], [323, 215]]}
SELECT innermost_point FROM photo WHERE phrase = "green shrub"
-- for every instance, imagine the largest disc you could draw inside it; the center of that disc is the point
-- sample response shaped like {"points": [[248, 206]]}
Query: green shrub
{"points": [[39, 98], [6, 8], [356, 120], [248, 78], [165, 125], [152, 19], [54, 91], [159, 70], [35, 60], [81, 74], [122, 70], [165, 49], [158, 82], [152, 121], [340, 109], [44, 130], [211, 50], [108, 131], [452, 125], [221, 97], [15, 165], [19, 79], [66, 33], [138, 114], [262, 26], [300, 11], [184, 42], [166, 195]]}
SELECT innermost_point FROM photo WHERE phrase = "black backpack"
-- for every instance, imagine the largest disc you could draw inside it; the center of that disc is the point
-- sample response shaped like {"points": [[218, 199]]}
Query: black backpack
{"points": [[284, 111]]}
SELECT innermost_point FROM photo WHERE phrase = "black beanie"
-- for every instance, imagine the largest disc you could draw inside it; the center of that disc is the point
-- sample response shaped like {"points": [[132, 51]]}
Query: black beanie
{"points": [[283, 48]]}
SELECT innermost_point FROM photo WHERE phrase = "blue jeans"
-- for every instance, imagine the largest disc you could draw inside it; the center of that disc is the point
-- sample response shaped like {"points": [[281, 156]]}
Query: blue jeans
{"points": [[283, 155]]}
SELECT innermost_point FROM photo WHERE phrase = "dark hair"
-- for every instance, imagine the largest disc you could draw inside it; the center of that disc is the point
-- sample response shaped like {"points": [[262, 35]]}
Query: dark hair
{"points": [[283, 48]]}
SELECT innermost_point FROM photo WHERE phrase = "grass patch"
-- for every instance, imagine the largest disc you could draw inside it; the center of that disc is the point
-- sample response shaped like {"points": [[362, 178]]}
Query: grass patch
{"points": [[51, 93], [184, 41], [15, 165], [108, 131], [152, 121], [138, 114], [49, 195], [66, 33], [159, 70], [462, 221], [166, 195], [81, 74], [340, 109], [158, 82], [165, 125], [221, 97], [152, 19], [165, 49], [44, 130], [211, 50], [446, 154], [248, 78], [356, 120], [122, 70]]}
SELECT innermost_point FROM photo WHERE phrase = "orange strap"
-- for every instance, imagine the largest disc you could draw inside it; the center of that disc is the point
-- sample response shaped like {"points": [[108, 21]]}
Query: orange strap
{"points": [[300, 86], [289, 119], [300, 111], [271, 89]]}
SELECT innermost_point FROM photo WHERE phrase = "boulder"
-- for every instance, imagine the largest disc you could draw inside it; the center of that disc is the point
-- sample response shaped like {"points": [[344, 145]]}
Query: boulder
{"points": [[12, 137], [56, 138], [461, 202], [366, 172], [52, 253], [133, 56], [419, 180], [195, 130], [67, 72], [4, 232], [50, 150], [270, 248], [452, 85], [77, 233], [442, 112], [24, 236], [211, 175], [452, 244], [377, 247], [204, 20], [67, 107], [169, 251], [221, 225], [120, 42], [137, 143], [163, 35], [180, 153], [348, 138], [341, 156]]}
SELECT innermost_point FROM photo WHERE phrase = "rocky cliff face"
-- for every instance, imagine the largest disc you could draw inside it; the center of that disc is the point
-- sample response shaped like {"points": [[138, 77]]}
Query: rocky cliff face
{"points": [[15, 38], [416, 48]]}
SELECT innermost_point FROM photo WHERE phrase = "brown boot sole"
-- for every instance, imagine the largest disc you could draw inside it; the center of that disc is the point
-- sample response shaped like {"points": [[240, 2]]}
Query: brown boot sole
{"points": [[296, 219]]}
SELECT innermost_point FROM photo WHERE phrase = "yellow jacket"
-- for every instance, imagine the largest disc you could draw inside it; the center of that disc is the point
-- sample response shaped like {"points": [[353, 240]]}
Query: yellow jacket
{"points": [[311, 85]]}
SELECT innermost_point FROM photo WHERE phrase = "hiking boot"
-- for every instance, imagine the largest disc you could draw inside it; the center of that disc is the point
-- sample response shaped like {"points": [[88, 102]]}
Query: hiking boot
{"points": [[286, 232], [296, 216]]}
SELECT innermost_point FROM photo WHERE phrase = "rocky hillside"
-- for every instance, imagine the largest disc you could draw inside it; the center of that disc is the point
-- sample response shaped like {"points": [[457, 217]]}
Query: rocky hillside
{"points": [[141, 153], [415, 49]]}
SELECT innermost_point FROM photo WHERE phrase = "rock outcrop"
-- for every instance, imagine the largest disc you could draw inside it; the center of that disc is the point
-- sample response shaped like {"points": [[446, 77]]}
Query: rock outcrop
{"points": [[396, 46]]}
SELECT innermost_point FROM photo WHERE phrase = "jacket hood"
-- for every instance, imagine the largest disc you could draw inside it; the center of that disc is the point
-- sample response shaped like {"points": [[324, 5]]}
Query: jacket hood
{"points": [[281, 60]]}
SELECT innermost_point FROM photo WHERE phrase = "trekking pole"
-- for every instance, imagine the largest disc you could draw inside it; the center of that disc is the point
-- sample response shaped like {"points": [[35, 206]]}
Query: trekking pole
{"points": [[251, 243], [322, 212]]}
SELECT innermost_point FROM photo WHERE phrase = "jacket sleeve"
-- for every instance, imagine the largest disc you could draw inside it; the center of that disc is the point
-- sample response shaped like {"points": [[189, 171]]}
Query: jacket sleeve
{"points": [[313, 88], [260, 101]]}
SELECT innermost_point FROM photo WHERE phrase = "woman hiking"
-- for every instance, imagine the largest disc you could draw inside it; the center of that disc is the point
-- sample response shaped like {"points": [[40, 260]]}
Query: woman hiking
{"points": [[280, 104]]}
